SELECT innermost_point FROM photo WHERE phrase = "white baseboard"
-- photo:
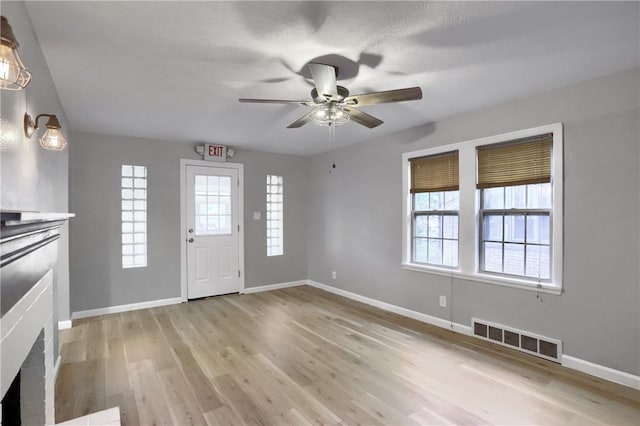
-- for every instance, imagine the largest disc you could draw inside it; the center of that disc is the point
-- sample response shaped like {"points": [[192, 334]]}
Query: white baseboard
{"points": [[63, 325], [439, 322], [270, 287], [601, 371], [125, 308], [573, 363]]}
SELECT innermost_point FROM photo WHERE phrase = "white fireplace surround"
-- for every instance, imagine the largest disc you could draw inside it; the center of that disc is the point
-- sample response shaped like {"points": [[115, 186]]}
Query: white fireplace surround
{"points": [[20, 328]]}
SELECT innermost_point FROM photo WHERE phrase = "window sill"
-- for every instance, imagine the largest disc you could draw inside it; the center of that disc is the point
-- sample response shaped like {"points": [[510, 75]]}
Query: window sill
{"points": [[487, 279]]}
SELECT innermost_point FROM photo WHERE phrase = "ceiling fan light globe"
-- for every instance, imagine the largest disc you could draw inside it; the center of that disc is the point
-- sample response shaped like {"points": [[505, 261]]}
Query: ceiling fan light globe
{"points": [[330, 115]]}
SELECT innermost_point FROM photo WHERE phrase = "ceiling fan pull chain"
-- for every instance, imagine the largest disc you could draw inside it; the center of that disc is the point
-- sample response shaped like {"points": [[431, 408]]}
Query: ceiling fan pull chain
{"points": [[332, 138]]}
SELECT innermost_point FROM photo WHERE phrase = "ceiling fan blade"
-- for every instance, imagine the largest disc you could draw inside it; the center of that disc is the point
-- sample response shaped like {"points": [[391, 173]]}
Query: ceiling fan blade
{"points": [[276, 101], [301, 121], [398, 95], [363, 118], [324, 76]]}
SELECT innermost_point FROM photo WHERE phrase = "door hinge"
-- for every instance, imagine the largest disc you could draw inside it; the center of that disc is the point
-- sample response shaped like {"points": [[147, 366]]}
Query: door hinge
{"points": [[238, 274], [238, 181], [238, 228]]}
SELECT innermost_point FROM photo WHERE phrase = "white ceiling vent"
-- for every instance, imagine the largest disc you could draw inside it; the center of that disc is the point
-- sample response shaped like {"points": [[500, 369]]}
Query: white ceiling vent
{"points": [[524, 341]]}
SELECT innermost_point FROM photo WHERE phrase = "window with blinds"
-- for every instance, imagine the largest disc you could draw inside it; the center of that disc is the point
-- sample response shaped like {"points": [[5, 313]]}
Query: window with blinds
{"points": [[488, 209], [435, 204], [514, 180]]}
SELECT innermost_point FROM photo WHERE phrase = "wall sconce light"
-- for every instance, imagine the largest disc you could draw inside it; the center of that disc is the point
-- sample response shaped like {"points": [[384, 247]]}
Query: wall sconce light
{"points": [[13, 74], [52, 139]]}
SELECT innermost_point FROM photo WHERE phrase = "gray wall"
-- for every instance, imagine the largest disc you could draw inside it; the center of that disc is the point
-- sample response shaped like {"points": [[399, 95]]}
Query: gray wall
{"points": [[357, 222], [33, 178], [97, 277]]}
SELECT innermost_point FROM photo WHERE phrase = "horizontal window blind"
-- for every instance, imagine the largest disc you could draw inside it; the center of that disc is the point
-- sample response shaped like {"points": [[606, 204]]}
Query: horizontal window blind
{"points": [[519, 162], [435, 173]]}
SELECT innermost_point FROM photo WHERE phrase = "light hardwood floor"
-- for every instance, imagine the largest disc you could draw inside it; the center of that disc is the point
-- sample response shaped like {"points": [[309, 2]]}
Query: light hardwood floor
{"points": [[302, 356]]}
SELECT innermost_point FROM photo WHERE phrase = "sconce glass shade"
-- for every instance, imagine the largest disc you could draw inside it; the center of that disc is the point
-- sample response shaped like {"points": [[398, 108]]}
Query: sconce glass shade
{"points": [[13, 74], [53, 139], [330, 114]]}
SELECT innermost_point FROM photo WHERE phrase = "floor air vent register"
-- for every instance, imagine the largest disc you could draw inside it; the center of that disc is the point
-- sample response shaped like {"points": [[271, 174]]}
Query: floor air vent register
{"points": [[530, 343]]}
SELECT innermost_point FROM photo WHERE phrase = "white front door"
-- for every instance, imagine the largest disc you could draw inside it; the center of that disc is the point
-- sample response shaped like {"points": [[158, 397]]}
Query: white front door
{"points": [[213, 257]]}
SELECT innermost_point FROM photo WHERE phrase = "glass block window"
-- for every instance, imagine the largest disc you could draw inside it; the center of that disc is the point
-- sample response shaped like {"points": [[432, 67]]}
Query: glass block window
{"points": [[213, 205], [134, 216], [275, 204]]}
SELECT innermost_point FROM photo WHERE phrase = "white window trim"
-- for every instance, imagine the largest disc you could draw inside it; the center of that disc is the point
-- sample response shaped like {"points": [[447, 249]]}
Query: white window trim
{"points": [[468, 234]]}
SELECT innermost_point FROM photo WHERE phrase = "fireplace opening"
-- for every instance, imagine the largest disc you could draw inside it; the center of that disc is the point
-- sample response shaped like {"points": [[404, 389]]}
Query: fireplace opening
{"points": [[11, 404]]}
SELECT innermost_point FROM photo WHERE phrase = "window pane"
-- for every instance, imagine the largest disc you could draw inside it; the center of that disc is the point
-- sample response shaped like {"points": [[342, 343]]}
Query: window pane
{"points": [[140, 227], [127, 194], [127, 227], [201, 204], [201, 225], [139, 171], [212, 205], [225, 224], [127, 261], [452, 200], [492, 257], [493, 198], [492, 228], [538, 262], [225, 205], [213, 225], [420, 250], [514, 259], [140, 205], [127, 182], [127, 205], [422, 226], [140, 183], [450, 227], [127, 216], [435, 226], [435, 251], [421, 201], [127, 238], [515, 197], [139, 194], [450, 253], [514, 228], [127, 170], [213, 185], [127, 249], [538, 229], [436, 201]]}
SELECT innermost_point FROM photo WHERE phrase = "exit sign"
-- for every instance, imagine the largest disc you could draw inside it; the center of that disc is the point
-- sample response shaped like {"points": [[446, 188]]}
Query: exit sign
{"points": [[215, 152]]}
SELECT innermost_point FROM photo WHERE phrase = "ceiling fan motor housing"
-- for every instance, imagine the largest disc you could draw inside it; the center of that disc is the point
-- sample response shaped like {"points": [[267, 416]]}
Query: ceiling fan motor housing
{"points": [[343, 92]]}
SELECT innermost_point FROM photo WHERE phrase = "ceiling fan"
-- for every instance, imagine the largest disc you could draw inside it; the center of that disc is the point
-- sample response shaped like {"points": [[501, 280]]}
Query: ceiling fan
{"points": [[333, 106]]}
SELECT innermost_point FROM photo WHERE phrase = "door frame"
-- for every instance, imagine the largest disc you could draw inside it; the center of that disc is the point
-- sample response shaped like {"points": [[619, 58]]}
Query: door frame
{"points": [[183, 217]]}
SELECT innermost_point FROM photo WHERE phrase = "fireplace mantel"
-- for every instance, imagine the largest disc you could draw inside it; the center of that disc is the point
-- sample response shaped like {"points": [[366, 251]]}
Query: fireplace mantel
{"points": [[21, 235]]}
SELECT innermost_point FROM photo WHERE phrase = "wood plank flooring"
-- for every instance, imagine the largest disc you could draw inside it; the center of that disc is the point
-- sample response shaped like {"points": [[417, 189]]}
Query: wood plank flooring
{"points": [[301, 356]]}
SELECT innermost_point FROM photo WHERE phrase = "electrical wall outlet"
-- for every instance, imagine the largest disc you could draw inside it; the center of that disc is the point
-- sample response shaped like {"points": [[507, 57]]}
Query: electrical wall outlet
{"points": [[333, 275], [443, 301]]}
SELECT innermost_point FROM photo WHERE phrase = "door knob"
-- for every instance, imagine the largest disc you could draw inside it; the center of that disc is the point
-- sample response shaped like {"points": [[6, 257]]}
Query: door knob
{"points": [[190, 230], [190, 240]]}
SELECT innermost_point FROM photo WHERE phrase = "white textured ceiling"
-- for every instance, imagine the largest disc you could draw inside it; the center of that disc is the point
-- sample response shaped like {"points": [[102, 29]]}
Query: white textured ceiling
{"points": [[174, 70]]}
